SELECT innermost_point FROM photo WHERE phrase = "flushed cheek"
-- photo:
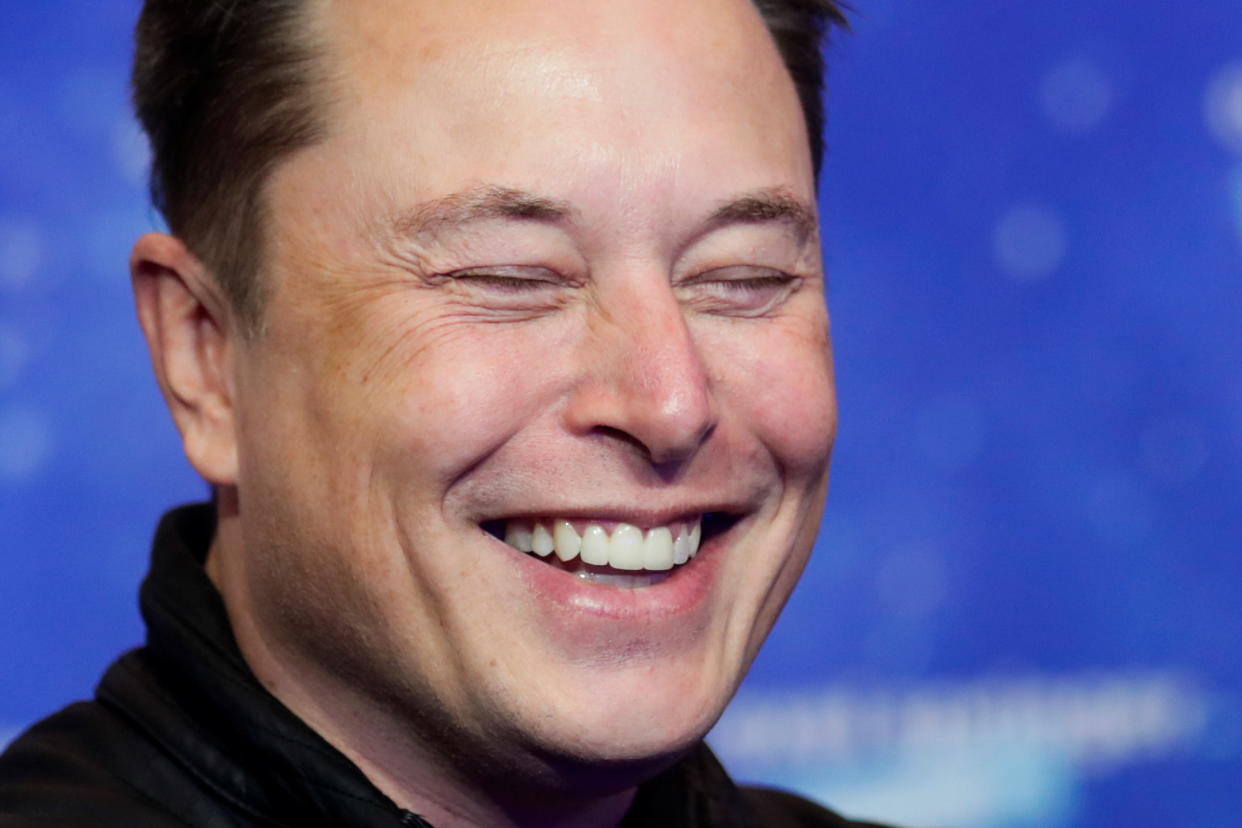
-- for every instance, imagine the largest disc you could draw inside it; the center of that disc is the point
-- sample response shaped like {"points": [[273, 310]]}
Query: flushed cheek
{"points": [[472, 395], [799, 423], [442, 388], [782, 388]]}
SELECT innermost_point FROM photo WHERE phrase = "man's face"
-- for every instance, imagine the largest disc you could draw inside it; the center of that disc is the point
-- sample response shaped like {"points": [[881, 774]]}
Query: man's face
{"points": [[554, 265]]}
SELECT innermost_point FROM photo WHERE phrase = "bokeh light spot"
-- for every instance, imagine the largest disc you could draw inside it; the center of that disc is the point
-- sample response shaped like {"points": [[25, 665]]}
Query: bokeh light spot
{"points": [[21, 251], [1075, 95], [1222, 105], [1029, 242], [25, 442], [14, 354], [130, 151]]}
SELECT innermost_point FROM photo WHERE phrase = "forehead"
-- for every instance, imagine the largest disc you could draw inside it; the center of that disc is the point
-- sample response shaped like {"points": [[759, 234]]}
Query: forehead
{"points": [[646, 63], [394, 40], [636, 112]]}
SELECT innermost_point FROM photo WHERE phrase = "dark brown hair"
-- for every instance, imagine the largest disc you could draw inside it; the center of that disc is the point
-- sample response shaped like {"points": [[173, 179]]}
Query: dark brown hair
{"points": [[226, 88]]}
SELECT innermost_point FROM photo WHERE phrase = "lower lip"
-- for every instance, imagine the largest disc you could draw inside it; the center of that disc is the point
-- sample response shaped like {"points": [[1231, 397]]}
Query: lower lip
{"points": [[682, 594]]}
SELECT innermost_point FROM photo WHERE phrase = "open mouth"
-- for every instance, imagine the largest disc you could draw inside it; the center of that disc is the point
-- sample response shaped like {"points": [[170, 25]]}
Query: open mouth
{"points": [[611, 553]]}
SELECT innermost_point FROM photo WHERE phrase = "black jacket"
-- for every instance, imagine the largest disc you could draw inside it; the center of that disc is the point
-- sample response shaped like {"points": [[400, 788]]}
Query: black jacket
{"points": [[182, 734]]}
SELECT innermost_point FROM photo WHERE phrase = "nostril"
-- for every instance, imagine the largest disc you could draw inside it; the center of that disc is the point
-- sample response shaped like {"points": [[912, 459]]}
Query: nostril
{"points": [[623, 436], [665, 455]]}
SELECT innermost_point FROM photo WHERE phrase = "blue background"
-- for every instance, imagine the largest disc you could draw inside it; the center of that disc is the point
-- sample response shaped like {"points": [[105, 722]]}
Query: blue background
{"points": [[1023, 607]]}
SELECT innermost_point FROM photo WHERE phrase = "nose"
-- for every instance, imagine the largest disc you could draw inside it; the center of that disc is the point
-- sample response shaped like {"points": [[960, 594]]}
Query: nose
{"points": [[643, 379]]}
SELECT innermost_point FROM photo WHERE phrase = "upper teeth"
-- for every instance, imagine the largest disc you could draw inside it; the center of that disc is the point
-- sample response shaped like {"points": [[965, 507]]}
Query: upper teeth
{"points": [[660, 548]]}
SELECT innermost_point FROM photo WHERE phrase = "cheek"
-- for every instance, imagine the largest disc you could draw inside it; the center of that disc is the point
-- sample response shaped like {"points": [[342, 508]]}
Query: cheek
{"points": [[801, 422], [467, 391], [780, 381]]}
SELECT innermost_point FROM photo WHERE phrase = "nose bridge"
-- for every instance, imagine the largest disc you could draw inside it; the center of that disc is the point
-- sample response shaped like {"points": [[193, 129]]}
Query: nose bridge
{"points": [[646, 376], [666, 365]]}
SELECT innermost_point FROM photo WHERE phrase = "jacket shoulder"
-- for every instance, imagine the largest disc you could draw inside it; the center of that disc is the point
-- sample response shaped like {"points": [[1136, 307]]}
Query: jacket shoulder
{"points": [[773, 808], [86, 766]]}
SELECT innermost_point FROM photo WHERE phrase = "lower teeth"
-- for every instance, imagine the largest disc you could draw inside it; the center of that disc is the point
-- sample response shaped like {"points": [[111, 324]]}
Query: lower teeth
{"points": [[606, 575]]}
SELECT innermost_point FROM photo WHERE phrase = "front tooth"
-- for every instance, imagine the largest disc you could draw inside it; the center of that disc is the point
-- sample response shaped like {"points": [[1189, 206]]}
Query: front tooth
{"points": [[518, 536], [594, 545], [541, 541], [658, 549], [567, 541], [681, 547], [696, 535], [626, 549]]}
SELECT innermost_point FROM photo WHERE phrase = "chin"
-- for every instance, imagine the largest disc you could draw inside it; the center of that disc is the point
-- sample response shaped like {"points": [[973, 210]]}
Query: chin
{"points": [[641, 720]]}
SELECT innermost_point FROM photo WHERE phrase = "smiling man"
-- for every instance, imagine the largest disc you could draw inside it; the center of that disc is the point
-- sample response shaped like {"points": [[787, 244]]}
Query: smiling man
{"points": [[499, 330]]}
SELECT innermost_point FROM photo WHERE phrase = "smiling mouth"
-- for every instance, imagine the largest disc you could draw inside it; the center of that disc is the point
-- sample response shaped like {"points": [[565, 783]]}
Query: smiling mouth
{"points": [[626, 557]]}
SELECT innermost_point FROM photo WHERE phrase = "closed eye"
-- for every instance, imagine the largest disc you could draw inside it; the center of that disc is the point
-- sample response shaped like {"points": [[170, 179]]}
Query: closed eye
{"points": [[508, 279], [739, 290]]}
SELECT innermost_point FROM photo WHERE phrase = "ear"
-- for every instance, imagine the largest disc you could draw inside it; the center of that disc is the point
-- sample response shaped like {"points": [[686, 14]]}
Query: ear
{"points": [[187, 328]]}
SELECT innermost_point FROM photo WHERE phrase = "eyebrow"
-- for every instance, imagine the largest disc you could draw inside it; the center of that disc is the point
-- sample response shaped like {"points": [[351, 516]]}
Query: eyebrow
{"points": [[774, 205], [769, 205], [479, 204]]}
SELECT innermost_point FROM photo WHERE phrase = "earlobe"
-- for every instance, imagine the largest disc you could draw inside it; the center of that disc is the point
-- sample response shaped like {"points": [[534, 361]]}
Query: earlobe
{"points": [[187, 326]]}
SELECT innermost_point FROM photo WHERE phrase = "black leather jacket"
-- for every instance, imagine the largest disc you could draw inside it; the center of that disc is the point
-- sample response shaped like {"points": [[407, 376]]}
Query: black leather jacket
{"points": [[180, 733]]}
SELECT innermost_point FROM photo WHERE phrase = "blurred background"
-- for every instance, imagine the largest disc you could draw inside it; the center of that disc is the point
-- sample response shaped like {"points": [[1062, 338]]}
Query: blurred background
{"points": [[1023, 609]]}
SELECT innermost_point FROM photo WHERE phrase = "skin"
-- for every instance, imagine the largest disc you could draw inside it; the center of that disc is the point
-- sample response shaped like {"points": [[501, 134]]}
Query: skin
{"points": [[503, 285]]}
